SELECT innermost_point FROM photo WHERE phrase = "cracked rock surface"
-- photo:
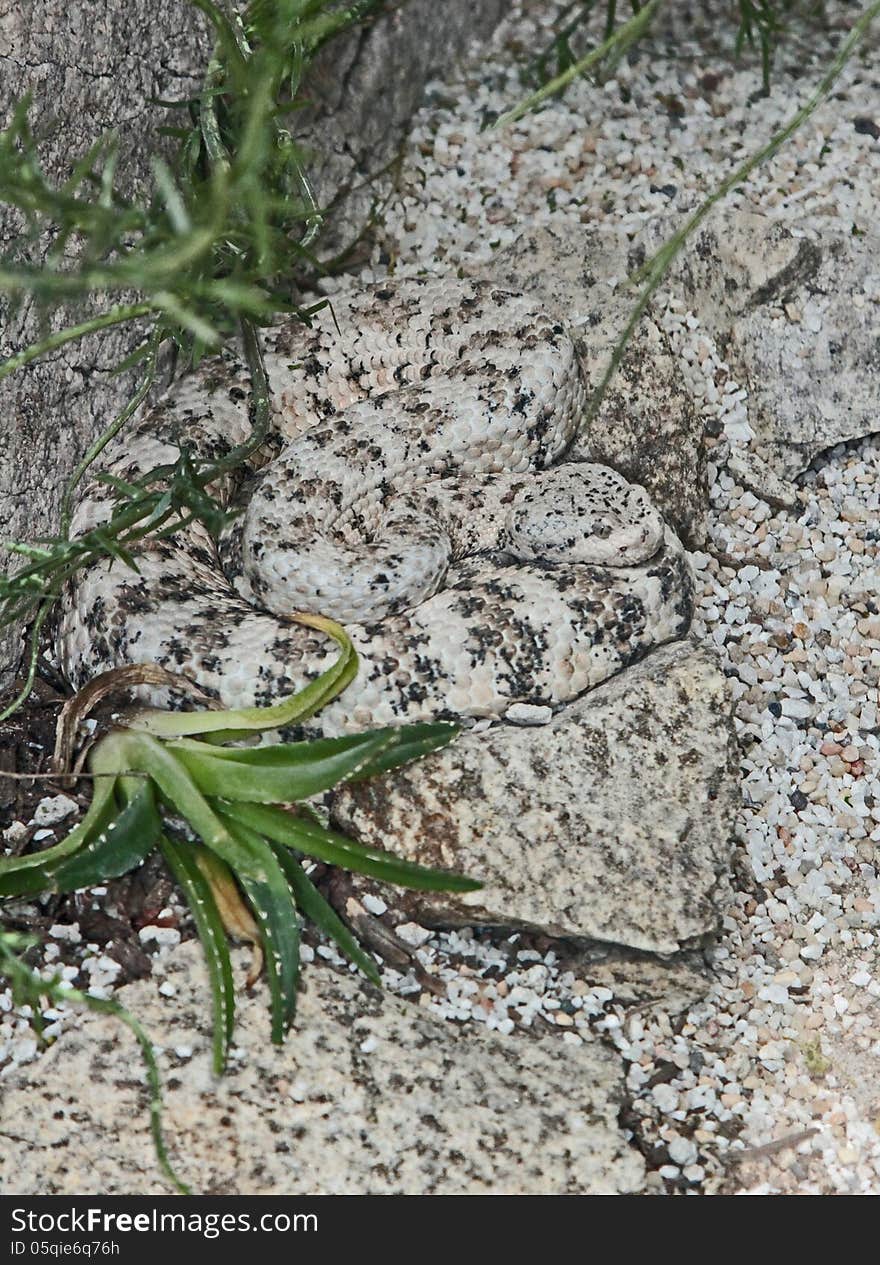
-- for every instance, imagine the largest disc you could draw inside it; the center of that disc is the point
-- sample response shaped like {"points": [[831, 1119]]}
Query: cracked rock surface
{"points": [[365, 88], [612, 822], [368, 1096], [795, 314]]}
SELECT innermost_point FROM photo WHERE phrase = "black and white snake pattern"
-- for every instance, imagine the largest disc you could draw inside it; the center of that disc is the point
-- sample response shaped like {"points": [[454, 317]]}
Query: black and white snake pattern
{"points": [[415, 489]]}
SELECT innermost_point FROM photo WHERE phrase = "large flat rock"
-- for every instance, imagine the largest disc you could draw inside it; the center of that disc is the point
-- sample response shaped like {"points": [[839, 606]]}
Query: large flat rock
{"points": [[795, 314], [368, 1096], [613, 822]]}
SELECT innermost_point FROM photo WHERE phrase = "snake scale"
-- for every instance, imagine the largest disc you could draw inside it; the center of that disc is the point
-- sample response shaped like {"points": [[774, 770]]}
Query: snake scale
{"points": [[415, 488]]}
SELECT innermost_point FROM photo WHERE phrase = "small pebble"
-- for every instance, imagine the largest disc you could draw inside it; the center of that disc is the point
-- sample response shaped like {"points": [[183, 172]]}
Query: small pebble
{"points": [[54, 809], [528, 714]]}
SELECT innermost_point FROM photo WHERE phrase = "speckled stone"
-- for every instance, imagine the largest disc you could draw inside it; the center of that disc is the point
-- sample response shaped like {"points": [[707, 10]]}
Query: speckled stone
{"points": [[613, 822], [795, 314], [368, 1096]]}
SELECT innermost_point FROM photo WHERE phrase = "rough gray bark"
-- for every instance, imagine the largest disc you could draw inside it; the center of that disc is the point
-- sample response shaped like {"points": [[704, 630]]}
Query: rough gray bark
{"points": [[90, 68], [95, 65]]}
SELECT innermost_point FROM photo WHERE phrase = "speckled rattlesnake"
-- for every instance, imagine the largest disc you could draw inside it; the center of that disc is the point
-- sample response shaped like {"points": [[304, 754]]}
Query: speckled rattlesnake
{"points": [[408, 491]]}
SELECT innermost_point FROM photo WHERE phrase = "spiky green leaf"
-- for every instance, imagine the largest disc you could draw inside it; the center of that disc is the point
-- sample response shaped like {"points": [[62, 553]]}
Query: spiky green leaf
{"points": [[314, 840], [322, 914], [181, 860], [280, 774], [274, 909], [126, 842], [99, 815]]}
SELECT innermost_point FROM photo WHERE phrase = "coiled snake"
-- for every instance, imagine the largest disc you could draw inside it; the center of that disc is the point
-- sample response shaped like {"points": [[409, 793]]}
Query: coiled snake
{"points": [[412, 489]]}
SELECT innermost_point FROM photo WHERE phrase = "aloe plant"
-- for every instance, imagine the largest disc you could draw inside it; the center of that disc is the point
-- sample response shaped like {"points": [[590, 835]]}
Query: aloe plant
{"points": [[241, 867]]}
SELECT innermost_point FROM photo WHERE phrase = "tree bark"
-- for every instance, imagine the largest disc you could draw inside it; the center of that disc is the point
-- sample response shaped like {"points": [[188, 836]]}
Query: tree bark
{"points": [[97, 65], [90, 68]]}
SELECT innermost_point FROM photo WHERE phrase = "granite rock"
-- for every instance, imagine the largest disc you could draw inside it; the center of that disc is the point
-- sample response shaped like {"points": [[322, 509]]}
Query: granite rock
{"points": [[796, 316], [611, 823], [369, 1095]]}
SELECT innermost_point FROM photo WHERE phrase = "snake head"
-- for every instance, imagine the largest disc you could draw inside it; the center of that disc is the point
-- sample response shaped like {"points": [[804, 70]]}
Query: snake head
{"points": [[581, 512]]}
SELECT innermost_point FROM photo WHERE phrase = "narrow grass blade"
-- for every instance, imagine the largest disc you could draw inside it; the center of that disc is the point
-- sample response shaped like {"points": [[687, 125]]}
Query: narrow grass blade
{"points": [[618, 40], [324, 916], [282, 774], [181, 861], [29, 988], [274, 909], [652, 272], [336, 849]]}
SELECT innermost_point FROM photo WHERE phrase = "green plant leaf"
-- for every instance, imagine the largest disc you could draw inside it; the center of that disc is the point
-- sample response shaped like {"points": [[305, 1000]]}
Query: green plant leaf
{"points": [[124, 841], [127, 841], [322, 914], [279, 774], [276, 915], [99, 815], [397, 746], [411, 742], [181, 860], [25, 882], [141, 752], [325, 845]]}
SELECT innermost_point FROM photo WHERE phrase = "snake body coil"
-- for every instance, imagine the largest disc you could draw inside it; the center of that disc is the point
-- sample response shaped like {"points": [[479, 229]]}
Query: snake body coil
{"points": [[410, 490]]}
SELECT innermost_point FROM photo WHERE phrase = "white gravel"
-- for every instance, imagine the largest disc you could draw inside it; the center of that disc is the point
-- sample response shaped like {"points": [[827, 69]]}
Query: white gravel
{"points": [[53, 809]]}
